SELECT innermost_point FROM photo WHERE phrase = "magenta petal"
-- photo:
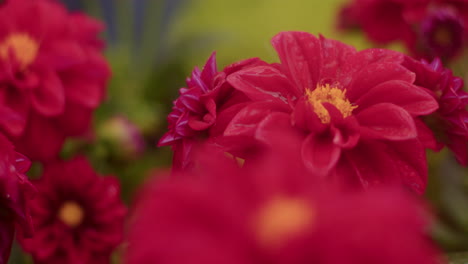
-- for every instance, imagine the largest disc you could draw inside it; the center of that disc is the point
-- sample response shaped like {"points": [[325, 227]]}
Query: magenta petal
{"points": [[247, 120], [263, 83], [62, 54], [426, 136], [371, 163], [410, 158], [300, 54], [168, 139], [7, 233], [375, 74], [347, 135], [209, 70], [338, 53], [49, 98], [274, 126], [305, 118], [85, 92], [386, 121], [225, 116], [13, 123], [200, 123], [319, 153], [412, 98]]}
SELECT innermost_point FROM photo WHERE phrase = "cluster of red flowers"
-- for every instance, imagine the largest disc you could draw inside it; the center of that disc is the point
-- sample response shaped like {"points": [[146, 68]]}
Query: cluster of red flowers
{"points": [[340, 129], [52, 77], [428, 28]]}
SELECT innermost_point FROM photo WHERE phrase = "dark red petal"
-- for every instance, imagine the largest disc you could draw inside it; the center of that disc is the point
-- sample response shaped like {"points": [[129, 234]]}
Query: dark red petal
{"points": [[49, 98], [209, 70], [7, 233], [13, 123], [247, 120], [182, 153], [372, 164], [426, 136], [305, 118], [274, 126], [374, 74], [263, 83], [300, 55], [346, 136], [85, 92], [225, 116], [412, 98], [386, 121], [319, 153], [410, 158], [202, 122]]}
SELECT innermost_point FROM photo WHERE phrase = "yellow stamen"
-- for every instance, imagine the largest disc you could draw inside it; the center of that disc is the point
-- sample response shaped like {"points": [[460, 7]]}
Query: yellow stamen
{"points": [[71, 214], [332, 95], [281, 219], [24, 48]]}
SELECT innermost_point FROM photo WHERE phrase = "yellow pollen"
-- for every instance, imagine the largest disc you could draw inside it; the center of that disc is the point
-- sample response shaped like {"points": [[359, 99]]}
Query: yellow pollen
{"points": [[71, 214], [281, 219], [332, 95], [24, 48]]}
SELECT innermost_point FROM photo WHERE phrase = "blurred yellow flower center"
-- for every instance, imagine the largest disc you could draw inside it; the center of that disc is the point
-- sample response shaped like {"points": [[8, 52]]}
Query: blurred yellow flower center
{"points": [[71, 213], [443, 36], [332, 95], [281, 219], [24, 48]]}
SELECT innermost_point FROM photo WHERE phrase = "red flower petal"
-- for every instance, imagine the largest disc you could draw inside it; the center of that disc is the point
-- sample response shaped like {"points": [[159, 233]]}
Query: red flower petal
{"points": [[386, 121], [85, 92], [49, 98], [412, 98], [263, 83], [319, 153], [299, 53], [246, 121], [305, 118], [340, 54], [375, 74], [275, 126]]}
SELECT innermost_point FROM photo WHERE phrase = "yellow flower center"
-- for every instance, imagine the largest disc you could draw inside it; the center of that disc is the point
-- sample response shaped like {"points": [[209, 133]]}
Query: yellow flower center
{"points": [[281, 219], [71, 214], [332, 95], [24, 48]]}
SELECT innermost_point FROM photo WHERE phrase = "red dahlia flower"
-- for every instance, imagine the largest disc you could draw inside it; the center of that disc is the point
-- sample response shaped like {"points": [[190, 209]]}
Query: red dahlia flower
{"points": [[450, 121], [16, 191], [203, 109], [269, 213], [355, 111], [78, 215], [52, 75]]}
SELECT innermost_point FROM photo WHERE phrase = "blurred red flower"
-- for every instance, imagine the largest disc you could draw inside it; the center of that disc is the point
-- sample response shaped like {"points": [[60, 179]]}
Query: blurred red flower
{"points": [[428, 28], [16, 192], [450, 121], [354, 111], [203, 109], [78, 215], [271, 212], [52, 74]]}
